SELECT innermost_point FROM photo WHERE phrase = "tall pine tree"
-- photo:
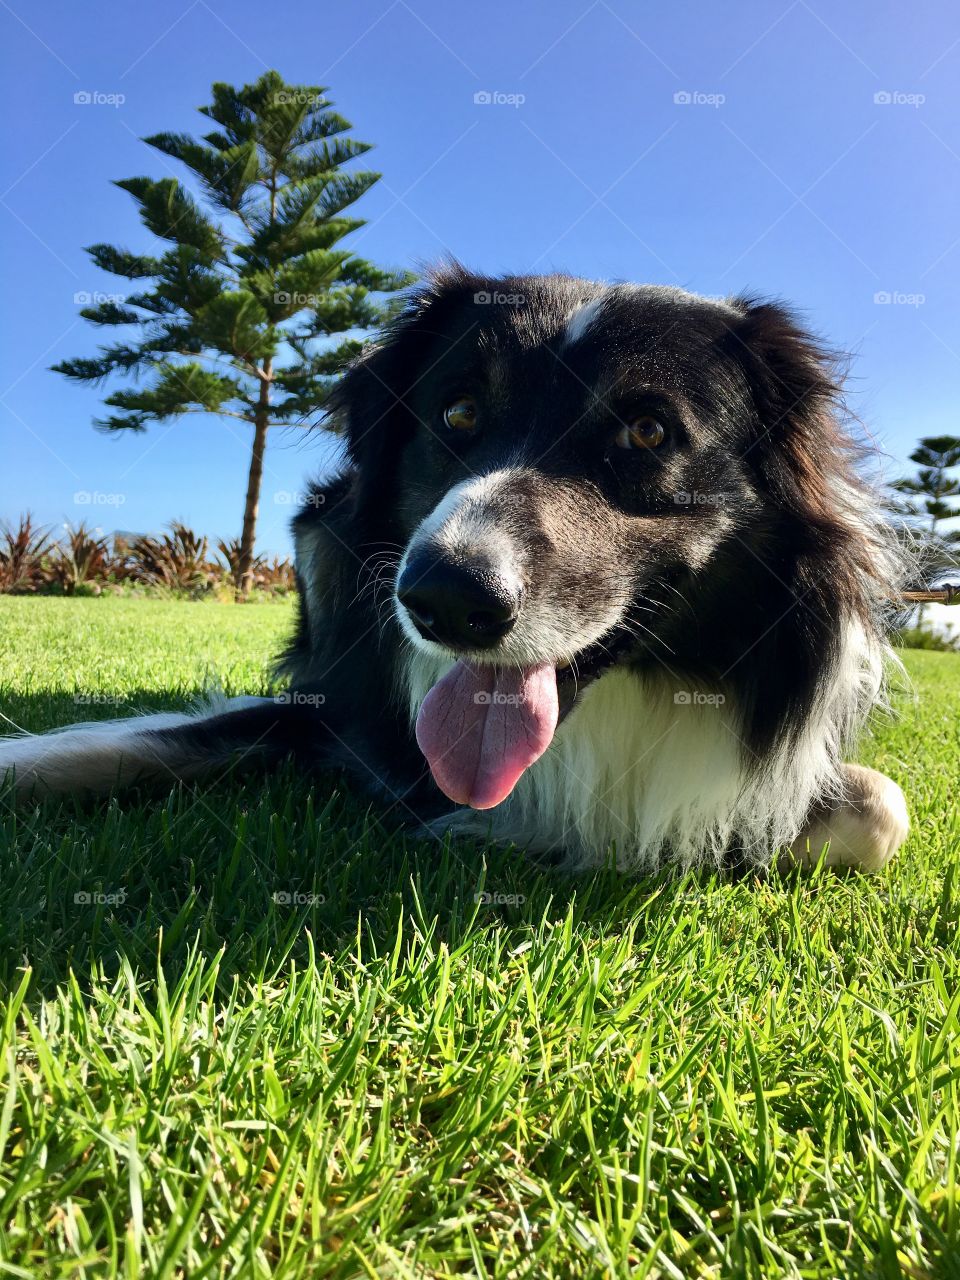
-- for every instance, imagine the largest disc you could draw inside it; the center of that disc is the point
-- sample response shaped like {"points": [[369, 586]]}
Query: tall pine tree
{"points": [[245, 309]]}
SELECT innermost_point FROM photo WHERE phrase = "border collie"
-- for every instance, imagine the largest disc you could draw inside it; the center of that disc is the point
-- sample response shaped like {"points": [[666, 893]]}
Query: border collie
{"points": [[598, 578]]}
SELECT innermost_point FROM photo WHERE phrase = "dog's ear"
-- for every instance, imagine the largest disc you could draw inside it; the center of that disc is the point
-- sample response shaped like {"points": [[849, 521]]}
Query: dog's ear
{"points": [[824, 564], [835, 533], [367, 407], [370, 405], [795, 385]]}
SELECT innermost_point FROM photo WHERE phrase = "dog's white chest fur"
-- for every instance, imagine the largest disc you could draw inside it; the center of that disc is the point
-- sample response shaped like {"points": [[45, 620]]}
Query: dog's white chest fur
{"points": [[645, 770], [638, 769]]}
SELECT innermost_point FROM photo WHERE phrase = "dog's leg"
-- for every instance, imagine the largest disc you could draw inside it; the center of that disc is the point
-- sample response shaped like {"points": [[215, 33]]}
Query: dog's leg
{"points": [[865, 829], [165, 747]]}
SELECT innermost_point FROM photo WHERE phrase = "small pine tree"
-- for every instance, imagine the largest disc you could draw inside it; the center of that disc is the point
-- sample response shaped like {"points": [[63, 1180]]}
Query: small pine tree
{"points": [[926, 504], [929, 491], [245, 308]]}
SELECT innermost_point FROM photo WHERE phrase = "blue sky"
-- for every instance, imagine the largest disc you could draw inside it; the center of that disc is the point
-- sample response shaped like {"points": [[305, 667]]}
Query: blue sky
{"points": [[816, 158]]}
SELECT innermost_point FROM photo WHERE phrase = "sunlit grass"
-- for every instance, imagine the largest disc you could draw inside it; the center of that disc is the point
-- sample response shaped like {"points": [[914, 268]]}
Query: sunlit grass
{"points": [[265, 1033]]}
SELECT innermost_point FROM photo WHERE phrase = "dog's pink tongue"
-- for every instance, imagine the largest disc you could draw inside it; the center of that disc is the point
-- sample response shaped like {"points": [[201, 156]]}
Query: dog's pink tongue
{"points": [[480, 728]]}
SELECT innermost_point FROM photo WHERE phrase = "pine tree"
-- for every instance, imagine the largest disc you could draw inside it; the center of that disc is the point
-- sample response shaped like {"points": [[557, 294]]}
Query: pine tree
{"points": [[918, 517], [244, 312], [928, 492]]}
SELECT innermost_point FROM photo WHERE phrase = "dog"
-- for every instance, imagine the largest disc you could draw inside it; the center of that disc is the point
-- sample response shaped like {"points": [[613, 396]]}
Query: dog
{"points": [[598, 577]]}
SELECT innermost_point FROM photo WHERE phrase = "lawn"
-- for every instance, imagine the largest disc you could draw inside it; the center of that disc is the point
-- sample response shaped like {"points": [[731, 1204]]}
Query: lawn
{"points": [[252, 1030]]}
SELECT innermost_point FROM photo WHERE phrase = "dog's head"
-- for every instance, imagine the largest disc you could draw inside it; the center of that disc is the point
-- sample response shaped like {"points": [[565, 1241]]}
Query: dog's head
{"points": [[584, 475]]}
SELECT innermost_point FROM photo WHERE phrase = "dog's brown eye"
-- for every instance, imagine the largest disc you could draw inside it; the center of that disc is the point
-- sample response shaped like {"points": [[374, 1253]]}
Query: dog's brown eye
{"points": [[641, 433], [461, 415]]}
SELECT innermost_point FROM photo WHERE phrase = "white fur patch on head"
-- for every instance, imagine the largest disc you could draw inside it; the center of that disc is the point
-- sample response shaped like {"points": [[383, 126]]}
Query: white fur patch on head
{"points": [[465, 527], [461, 520], [581, 320]]}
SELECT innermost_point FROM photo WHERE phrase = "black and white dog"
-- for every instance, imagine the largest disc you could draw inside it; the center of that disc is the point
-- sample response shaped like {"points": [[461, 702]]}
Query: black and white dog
{"points": [[600, 559]]}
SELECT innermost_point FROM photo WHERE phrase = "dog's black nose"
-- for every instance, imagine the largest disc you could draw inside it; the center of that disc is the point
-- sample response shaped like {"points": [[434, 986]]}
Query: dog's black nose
{"points": [[460, 607]]}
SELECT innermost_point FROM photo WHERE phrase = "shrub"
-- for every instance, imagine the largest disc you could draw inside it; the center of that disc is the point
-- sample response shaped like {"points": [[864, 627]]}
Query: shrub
{"points": [[83, 562], [83, 557], [923, 638], [274, 575], [176, 560], [229, 549], [23, 555], [279, 575]]}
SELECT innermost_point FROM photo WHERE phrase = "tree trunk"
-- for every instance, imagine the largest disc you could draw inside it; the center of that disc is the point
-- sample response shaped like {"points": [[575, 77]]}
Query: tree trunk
{"points": [[255, 475]]}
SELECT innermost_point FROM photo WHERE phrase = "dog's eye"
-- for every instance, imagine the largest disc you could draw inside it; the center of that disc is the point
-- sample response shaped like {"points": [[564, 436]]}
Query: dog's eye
{"points": [[640, 433], [461, 414]]}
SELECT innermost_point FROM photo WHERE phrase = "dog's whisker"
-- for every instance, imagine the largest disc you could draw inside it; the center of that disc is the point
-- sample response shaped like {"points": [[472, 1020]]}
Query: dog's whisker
{"points": [[374, 567]]}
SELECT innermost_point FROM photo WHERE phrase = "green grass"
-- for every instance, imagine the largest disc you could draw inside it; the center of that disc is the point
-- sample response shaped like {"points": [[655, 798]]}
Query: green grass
{"points": [[677, 1078]]}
